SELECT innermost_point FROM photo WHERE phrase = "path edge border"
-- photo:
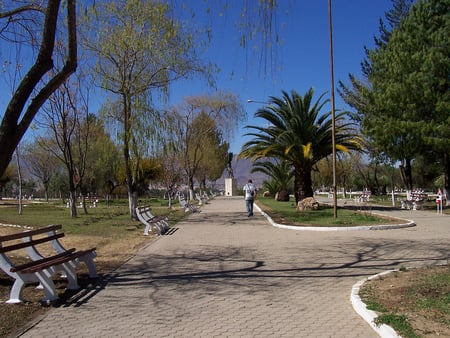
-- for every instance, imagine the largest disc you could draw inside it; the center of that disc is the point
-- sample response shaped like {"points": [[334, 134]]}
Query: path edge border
{"points": [[385, 331], [407, 224]]}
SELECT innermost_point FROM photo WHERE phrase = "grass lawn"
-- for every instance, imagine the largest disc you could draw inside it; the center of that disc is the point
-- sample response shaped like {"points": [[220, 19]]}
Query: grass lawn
{"points": [[285, 213]]}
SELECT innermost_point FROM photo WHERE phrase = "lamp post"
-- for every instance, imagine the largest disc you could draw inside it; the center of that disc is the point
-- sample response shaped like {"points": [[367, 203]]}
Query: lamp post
{"points": [[333, 122], [253, 101]]}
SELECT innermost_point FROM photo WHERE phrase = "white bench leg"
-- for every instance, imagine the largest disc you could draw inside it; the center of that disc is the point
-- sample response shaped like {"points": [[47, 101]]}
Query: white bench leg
{"points": [[157, 227], [165, 225], [147, 229], [71, 275], [88, 259], [15, 295], [50, 293]]}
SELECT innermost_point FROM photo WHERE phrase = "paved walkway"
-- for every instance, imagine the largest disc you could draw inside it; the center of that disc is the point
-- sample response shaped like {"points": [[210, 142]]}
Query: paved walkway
{"points": [[222, 274]]}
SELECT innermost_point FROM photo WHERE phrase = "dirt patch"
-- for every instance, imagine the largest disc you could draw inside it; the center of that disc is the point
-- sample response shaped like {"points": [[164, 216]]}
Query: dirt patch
{"points": [[422, 296]]}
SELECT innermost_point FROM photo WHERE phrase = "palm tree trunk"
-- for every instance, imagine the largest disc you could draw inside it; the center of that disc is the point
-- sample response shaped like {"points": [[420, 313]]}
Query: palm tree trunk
{"points": [[302, 183]]}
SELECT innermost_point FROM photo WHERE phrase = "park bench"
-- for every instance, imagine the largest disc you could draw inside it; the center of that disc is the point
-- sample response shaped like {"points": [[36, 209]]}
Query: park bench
{"points": [[415, 201], [202, 199], [40, 268], [159, 223], [187, 206], [199, 199], [364, 197], [418, 199]]}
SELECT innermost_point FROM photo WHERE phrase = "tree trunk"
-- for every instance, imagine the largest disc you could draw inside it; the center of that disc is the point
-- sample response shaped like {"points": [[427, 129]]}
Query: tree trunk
{"points": [[73, 203], [446, 191], [19, 174], [169, 197], [302, 183], [406, 174], [191, 188], [132, 203], [282, 195], [83, 203]]}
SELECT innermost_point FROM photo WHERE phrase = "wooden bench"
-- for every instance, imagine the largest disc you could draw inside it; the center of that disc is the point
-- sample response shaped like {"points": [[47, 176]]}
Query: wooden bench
{"points": [[364, 197], [415, 202], [159, 223], [199, 199], [40, 268], [419, 199], [187, 206]]}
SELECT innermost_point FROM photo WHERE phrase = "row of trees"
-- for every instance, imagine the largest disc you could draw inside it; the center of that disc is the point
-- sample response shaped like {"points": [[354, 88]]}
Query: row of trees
{"points": [[133, 51], [402, 108], [78, 155]]}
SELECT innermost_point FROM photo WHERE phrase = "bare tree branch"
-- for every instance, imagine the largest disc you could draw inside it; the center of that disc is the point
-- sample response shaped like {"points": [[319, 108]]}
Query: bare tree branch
{"points": [[11, 129]]}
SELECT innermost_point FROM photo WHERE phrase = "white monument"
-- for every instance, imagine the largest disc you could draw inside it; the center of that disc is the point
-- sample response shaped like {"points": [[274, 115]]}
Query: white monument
{"points": [[230, 182], [230, 187]]}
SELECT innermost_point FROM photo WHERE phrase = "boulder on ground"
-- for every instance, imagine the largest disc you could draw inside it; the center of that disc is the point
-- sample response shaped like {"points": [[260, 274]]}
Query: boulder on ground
{"points": [[266, 194], [308, 203]]}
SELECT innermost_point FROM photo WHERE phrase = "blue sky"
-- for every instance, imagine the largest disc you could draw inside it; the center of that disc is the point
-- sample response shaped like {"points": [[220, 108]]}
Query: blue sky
{"points": [[302, 61]]}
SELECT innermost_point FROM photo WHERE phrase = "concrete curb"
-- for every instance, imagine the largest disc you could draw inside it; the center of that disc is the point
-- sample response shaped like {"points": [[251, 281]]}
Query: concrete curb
{"points": [[385, 331], [409, 223], [16, 226]]}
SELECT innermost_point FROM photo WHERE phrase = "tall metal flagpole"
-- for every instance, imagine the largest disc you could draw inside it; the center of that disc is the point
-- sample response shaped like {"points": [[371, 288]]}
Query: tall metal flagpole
{"points": [[333, 121]]}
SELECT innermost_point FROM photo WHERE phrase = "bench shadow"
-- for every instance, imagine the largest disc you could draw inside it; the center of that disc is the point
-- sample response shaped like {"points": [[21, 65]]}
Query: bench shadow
{"points": [[89, 287]]}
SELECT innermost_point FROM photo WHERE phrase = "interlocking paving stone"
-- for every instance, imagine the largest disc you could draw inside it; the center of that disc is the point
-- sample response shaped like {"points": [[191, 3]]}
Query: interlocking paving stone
{"points": [[222, 274]]}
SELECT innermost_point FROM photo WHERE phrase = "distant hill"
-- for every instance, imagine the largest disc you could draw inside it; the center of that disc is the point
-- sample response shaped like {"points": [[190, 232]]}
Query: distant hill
{"points": [[242, 172]]}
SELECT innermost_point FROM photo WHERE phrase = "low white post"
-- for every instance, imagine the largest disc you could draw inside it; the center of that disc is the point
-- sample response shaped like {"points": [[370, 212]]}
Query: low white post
{"points": [[439, 202]]}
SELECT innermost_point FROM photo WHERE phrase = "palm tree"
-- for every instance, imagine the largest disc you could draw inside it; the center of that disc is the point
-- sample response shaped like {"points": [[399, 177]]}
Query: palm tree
{"points": [[281, 178], [298, 133]]}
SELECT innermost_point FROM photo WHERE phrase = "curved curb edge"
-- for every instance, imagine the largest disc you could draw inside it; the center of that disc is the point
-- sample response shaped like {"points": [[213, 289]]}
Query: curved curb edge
{"points": [[409, 223], [385, 331]]}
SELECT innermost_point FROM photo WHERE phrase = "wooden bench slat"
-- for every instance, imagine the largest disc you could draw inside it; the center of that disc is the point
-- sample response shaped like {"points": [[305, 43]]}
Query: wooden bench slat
{"points": [[64, 258], [24, 266], [22, 245], [19, 235], [56, 261]]}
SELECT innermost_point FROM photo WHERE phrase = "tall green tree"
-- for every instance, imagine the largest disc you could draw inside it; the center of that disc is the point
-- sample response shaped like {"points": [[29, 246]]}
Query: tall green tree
{"points": [[214, 159], [103, 161], [409, 81], [300, 133], [140, 49], [358, 95], [200, 124]]}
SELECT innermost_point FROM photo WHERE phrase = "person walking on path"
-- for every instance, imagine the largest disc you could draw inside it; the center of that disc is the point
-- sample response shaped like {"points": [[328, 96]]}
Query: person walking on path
{"points": [[249, 195]]}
